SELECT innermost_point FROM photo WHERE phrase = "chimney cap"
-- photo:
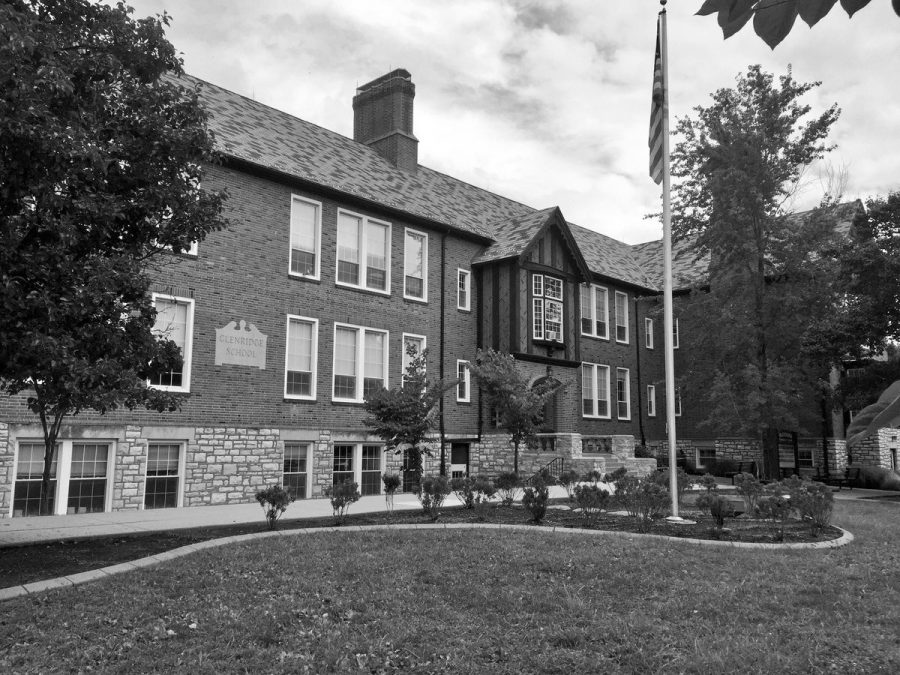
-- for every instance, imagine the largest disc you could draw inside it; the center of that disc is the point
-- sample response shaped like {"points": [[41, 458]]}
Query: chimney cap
{"points": [[398, 73]]}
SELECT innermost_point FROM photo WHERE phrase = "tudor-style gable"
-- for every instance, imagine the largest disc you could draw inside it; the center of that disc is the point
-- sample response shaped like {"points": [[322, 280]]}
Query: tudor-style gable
{"points": [[530, 281]]}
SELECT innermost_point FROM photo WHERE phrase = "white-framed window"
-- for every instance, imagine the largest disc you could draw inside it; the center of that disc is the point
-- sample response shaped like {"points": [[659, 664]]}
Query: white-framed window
{"points": [[595, 390], [306, 236], [464, 386], [651, 400], [419, 342], [415, 265], [547, 307], [648, 333], [360, 362], [193, 249], [623, 394], [361, 463], [175, 322], [165, 468], [295, 475], [463, 289], [300, 358], [78, 477], [675, 334], [678, 401], [594, 311], [621, 317], [705, 455], [363, 252]]}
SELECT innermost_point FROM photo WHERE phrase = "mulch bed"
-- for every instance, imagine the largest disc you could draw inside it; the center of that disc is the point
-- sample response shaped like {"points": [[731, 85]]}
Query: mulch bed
{"points": [[25, 564]]}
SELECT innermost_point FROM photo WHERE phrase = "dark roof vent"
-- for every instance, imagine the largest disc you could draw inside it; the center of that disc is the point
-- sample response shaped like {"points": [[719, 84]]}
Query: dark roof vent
{"points": [[383, 118]]}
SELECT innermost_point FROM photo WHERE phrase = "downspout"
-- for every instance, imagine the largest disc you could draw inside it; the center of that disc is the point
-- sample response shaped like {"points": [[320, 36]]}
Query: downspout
{"points": [[443, 468], [479, 318], [640, 385]]}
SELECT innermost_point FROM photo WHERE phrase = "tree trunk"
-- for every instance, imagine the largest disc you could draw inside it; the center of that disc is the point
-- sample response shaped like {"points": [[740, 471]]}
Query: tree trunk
{"points": [[516, 457], [770, 467], [51, 433]]}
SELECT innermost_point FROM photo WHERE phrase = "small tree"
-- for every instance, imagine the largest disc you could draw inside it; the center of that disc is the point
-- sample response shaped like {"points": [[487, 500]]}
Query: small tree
{"points": [[504, 389], [405, 416], [101, 160], [391, 484], [274, 501]]}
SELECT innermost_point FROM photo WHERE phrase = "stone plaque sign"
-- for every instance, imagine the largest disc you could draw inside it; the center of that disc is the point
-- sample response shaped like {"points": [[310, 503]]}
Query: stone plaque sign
{"points": [[240, 345]]}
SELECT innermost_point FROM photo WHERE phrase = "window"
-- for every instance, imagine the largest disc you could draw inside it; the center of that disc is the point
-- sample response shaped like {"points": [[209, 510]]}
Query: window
{"points": [[29, 471], [415, 265], [621, 317], [193, 249], [705, 456], [623, 394], [363, 252], [547, 305], [463, 289], [161, 488], [360, 362], [595, 390], [78, 478], [651, 400], [678, 401], [675, 334], [648, 333], [360, 463], [594, 311], [463, 386], [296, 458], [306, 229], [417, 343], [805, 454], [175, 322], [300, 359]]}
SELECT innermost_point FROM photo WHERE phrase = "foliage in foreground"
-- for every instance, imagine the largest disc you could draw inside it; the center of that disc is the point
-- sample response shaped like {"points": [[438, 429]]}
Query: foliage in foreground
{"points": [[101, 163], [432, 493], [342, 496]]}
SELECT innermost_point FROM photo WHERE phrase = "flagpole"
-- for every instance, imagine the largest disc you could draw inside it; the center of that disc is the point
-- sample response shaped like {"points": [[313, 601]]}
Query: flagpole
{"points": [[668, 328]]}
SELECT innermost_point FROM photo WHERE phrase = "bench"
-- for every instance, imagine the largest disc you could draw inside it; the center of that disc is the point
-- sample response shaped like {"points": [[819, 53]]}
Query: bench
{"points": [[742, 467], [851, 475]]}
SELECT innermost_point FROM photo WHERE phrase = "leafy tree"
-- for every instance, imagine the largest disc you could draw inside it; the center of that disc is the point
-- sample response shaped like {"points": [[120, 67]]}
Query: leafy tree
{"points": [[406, 416], [773, 19], [101, 155], [519, 407], [737, 166]]}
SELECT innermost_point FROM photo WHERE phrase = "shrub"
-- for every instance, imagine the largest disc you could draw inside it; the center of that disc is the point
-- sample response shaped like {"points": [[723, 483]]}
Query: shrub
{"points": [[484, 491], [812, 501], [774, 505], [535, 500], [568, 479], [463, 488], [717, 506], [433, 490], [682, 480], [274, 501], [591, 500], [593, 476], [342, 496], [642, 451], [614, 477], [708, 482], [749, 487], [878, 478], [643, 498], [509, 487], [391, 483]]}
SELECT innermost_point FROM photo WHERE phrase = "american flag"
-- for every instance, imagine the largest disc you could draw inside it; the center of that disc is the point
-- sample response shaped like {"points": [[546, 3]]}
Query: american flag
{"points": [[656, 115]]}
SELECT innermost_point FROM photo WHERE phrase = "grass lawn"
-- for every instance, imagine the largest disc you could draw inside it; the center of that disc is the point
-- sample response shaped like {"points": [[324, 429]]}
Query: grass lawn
{"points": [[480, 601]]}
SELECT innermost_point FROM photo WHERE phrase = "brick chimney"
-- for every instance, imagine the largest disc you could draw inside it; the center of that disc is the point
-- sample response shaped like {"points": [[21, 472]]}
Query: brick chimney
{"points": [[383, 118]]}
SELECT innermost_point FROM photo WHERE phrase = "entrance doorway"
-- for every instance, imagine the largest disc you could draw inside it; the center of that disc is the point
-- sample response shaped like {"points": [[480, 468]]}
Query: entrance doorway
{"points": [[459, 460]]}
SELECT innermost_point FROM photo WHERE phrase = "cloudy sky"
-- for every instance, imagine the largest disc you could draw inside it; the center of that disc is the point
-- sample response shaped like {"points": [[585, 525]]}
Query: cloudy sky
{"points": [[545, 101]]}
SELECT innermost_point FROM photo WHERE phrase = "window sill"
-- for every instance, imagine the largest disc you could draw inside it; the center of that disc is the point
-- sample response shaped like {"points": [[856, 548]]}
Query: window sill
{"points": [[304, 277], [605, 338], [363, 289]]}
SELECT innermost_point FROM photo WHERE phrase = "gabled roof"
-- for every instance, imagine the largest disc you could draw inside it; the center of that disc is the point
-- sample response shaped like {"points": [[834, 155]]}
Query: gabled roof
{"points": [[688, 268], [248, 130], [252, 132]]}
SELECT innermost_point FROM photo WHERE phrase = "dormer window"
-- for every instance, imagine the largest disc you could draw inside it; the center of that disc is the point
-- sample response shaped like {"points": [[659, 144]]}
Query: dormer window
{"points": [[547, 306]]}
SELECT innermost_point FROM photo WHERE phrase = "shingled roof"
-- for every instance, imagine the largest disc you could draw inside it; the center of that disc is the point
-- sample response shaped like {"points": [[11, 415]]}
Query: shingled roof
{"points": [[256, 133]]}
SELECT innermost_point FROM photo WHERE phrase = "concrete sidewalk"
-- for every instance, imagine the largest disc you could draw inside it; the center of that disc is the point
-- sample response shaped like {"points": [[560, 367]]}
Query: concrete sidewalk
{"points": [[34, 530]]}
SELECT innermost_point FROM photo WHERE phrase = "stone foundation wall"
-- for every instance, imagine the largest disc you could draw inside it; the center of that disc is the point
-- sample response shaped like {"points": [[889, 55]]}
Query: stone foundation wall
{"points": [[228, 465], [129, 471], [7, 478], [876, 449]]}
